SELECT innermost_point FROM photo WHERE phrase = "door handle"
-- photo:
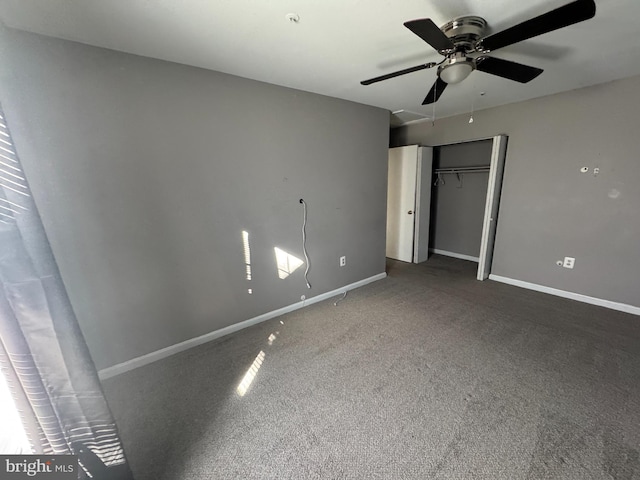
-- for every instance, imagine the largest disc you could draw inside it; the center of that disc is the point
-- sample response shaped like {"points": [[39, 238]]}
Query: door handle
{"points": [[410, 212]]}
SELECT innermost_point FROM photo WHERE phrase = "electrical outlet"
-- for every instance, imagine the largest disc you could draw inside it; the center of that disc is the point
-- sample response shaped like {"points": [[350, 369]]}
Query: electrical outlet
{"points": [[343, 261], [569, 262]]}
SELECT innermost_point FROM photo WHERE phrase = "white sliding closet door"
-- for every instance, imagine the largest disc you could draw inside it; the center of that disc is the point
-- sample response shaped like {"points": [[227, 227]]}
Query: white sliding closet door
{"points": [[498, 154], [423, 204]]}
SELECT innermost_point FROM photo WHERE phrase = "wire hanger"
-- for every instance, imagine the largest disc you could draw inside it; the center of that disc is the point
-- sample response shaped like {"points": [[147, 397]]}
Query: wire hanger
{"points": [[460, 176]]}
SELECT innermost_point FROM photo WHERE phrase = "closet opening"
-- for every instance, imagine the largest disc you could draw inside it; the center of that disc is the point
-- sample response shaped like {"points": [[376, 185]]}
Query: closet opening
{"points": [[444, 200], [461, 176]]}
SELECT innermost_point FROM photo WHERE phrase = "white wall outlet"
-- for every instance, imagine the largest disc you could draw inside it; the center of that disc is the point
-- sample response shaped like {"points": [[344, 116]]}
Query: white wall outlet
{"points": [[343, 261], [569, 262]]}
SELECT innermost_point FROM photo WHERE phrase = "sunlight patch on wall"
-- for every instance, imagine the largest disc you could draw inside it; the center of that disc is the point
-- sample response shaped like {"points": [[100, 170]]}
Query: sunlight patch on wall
{"points": [[247, 257], [247, 253], [287, 263]]}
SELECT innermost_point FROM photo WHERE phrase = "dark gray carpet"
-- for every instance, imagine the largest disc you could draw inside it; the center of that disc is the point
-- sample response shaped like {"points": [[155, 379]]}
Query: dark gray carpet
{"points": [[426, 374]]}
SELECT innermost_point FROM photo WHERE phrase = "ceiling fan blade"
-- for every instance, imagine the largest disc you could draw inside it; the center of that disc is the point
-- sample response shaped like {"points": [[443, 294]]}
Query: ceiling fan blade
{"points": [[398, 73], [435, 92], [430, 33], [507, 69], [569, 14]]}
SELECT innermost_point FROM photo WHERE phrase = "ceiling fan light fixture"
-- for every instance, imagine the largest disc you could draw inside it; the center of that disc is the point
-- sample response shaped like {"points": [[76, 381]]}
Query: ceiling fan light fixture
{"points": [[457, 71]]}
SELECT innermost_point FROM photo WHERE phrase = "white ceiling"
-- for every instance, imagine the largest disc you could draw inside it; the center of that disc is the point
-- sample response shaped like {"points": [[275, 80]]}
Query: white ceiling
{"points": [[338, 43]]}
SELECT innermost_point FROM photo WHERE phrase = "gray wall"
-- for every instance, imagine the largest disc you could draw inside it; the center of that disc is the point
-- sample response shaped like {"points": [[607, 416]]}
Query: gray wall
{"points": [[147, 172], [457, 213], [549, 209]]}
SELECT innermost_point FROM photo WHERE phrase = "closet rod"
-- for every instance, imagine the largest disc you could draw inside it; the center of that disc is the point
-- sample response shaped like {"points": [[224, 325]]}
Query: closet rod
{"points": [[461, 170]]}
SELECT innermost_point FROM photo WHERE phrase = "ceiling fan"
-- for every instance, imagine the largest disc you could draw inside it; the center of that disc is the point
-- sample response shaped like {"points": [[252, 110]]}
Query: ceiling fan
{"points": [[465, 49]]}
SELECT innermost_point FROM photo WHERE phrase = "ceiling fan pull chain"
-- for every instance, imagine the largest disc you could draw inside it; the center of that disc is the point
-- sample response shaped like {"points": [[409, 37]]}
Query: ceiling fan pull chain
{"points": [[473, 99], [433, 112]]}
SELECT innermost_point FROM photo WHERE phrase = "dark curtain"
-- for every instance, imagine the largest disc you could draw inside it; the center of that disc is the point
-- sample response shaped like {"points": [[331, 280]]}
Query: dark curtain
{"points": [[44, 353]]}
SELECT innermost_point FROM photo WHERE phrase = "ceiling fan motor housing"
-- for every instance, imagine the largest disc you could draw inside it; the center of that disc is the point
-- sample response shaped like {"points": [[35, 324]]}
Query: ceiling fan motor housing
{"points": [[465, 32]]}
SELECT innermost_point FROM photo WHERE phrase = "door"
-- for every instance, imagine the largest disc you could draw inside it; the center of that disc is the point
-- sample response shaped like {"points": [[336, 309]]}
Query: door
{"points": [[408, 203], [401, 202], [498, 154]]}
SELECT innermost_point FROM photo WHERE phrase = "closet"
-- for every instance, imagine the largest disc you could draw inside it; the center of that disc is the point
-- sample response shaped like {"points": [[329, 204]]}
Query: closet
{"points": [[445, 200]]}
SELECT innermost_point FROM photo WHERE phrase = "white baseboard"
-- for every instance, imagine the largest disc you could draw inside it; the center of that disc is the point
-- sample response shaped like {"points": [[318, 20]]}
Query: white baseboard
{"points": [[454, 255], [623, 307], [207, 337]]}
